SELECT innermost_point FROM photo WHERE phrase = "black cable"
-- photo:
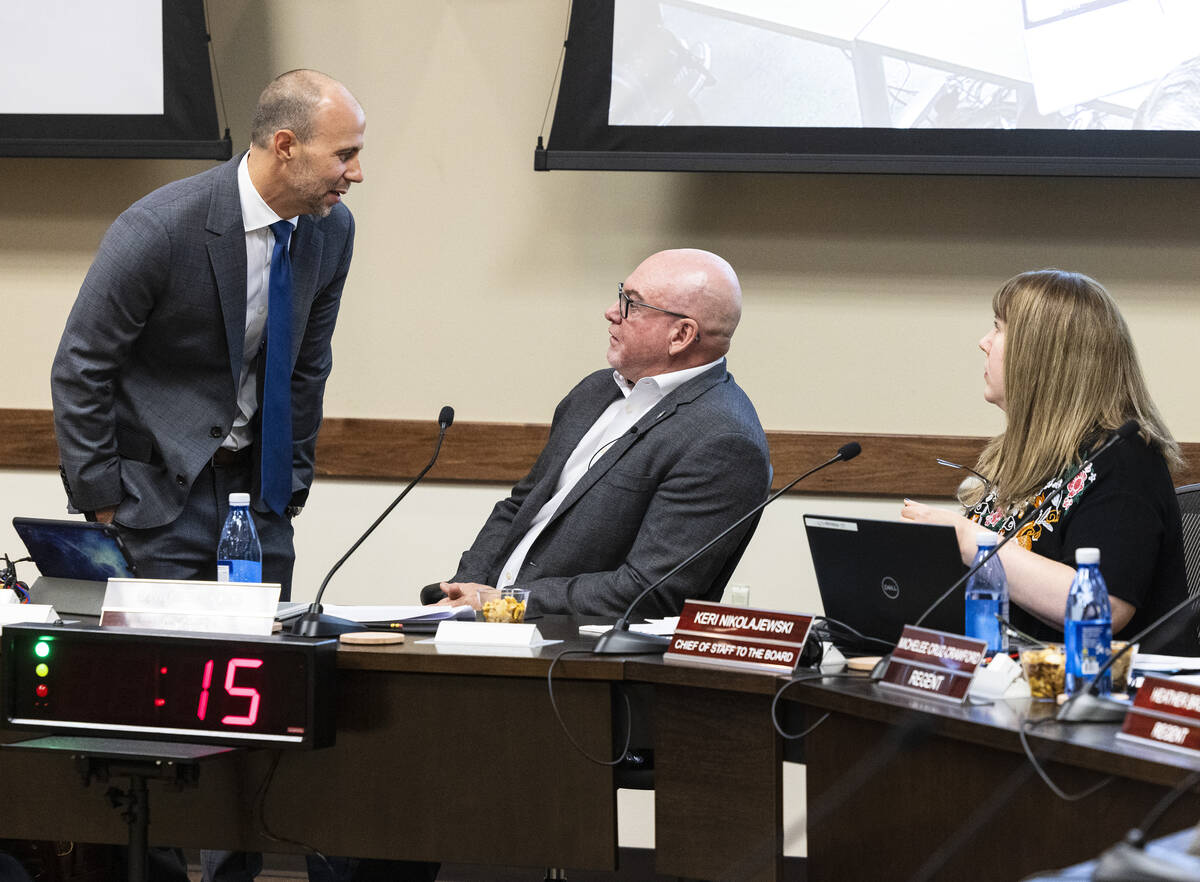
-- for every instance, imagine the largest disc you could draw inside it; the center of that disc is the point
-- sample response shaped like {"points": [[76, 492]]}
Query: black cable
{"points": [[813, 675], [562, 723], [888, 643], [9, 580], [260, 805], [558, 67], [212, 54], [1028, 726]]}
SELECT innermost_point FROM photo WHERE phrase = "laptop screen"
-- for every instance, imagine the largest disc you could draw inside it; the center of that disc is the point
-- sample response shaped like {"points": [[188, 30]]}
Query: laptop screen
{"points": [[878, 576], [75, 549]]}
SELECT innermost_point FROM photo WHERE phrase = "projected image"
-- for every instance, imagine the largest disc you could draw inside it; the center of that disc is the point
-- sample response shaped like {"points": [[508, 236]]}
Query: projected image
{"points": [[1001, 64], [62, 56]]}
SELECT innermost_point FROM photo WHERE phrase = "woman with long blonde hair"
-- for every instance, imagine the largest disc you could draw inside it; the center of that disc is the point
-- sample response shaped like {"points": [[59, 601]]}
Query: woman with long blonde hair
{"points": [[1061, 364]]}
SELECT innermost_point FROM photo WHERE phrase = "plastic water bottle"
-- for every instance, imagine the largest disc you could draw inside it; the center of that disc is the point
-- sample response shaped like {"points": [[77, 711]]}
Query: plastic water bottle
{"points": [[987, 596], [1087, 625], [239, 553]]}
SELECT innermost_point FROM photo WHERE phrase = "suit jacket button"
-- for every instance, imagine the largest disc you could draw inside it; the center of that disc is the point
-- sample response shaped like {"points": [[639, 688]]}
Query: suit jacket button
{"points": [[181, 480], [215, 432]]}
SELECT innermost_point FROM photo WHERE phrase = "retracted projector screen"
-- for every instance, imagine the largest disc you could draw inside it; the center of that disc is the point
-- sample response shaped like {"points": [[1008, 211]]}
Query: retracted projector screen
{"points": [[118, 78], [1043, 87]]}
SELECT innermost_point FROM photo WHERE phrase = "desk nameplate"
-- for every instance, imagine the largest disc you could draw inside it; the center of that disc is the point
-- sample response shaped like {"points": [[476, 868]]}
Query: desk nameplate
{"points": [[739, 637], [1165, 713], [934, 663]]}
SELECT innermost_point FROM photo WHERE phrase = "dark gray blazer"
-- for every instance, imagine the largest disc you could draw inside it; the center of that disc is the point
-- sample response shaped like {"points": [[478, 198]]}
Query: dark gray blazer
{"points": [[144, 383], [688, 469]]}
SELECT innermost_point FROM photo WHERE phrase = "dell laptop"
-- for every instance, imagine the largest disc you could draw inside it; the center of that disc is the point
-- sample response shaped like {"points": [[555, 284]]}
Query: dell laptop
{"points": [[878, 576]]}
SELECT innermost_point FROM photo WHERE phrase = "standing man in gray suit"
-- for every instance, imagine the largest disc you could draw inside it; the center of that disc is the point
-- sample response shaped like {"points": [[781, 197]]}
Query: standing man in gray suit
{"points": [[645, 462], [162, 371]]}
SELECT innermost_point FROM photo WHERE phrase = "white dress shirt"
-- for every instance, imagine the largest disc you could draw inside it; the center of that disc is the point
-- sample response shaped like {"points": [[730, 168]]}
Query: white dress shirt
{"points": [[617, 419]]}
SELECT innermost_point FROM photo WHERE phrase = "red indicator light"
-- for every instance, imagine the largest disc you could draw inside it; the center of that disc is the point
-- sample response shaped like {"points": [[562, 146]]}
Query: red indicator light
{"points": [[163, 670], [159, 702], [42, 690]]}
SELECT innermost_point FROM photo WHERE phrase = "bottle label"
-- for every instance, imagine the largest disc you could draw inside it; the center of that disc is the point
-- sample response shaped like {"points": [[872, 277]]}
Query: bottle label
{"points": [[239, 571], [1088, 644]]}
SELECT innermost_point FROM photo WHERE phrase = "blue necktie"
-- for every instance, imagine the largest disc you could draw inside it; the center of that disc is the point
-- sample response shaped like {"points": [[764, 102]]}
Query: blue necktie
{"points": [[276, 424]]}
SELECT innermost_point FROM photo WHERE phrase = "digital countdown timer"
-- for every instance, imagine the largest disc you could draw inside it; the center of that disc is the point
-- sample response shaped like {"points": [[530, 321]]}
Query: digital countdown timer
{"points": [[170, 686]]}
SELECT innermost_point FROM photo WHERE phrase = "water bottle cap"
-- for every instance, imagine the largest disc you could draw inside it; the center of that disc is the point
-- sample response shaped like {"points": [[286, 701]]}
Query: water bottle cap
{"points": [[986, 539], [239, 498], [1087, 555]]}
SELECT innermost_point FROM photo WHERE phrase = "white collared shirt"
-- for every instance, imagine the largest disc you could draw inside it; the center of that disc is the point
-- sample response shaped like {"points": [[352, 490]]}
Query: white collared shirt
{"points": [[617, 419], [257, 218]]}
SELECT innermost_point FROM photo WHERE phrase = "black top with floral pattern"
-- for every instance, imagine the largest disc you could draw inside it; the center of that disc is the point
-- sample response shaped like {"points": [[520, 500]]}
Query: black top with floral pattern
{"points": [[1124, 504]]}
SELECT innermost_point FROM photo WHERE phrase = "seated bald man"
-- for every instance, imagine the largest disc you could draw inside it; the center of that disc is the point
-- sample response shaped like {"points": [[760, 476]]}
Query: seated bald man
{"points": [[645, 463]]}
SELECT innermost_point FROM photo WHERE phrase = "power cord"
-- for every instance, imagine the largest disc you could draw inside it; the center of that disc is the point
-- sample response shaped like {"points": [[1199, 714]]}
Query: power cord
{"points": [[813, 675], [260, 806], [890, 644], [1023, 732], [9, 580], [562, 723]]}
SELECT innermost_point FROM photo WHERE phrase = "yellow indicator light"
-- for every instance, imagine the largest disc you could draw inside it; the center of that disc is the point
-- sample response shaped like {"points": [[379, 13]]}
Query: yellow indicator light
{"points": [[42, 669]]}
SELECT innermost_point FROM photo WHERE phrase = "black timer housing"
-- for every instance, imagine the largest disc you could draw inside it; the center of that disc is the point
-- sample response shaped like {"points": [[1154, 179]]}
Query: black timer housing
{"points": [[172, 686]]}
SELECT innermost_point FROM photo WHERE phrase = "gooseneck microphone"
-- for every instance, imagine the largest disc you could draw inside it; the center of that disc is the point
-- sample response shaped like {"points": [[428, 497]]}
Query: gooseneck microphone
{"points": [[1129, 427], [621, 641], [314, 623]]}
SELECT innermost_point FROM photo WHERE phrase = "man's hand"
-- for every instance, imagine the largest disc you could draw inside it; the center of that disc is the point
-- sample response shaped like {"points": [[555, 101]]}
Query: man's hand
{"points": [[461, 594], [104, 515]]}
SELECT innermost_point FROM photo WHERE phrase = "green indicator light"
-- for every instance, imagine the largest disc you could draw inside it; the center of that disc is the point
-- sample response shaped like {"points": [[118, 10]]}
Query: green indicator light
{"points": [[42, 670], [41, 649]]}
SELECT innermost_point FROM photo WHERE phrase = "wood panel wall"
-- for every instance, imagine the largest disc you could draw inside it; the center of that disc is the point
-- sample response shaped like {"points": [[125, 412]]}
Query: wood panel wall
{"points": [[395, 450]]}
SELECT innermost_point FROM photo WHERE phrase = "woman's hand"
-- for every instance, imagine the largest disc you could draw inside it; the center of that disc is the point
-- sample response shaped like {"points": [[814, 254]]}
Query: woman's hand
{"points": [[964, 530]]}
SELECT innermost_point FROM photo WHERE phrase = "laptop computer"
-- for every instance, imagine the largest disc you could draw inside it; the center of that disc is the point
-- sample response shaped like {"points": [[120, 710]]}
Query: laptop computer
{"points": [[878, 576], [76, 559]]}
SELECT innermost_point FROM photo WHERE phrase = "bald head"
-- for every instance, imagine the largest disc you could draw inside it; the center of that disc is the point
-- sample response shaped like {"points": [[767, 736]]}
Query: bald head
{"points": [[699, 284], [684, 305], [308, 131], [291, 101]]}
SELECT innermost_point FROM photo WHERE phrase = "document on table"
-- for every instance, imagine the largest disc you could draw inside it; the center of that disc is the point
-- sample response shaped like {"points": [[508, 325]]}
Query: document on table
{"points": [[664, 627], [393, 613]]}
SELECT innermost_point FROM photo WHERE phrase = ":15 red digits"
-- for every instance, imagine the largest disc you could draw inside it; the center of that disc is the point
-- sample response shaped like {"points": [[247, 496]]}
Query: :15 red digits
{"points": [[231, 669]]}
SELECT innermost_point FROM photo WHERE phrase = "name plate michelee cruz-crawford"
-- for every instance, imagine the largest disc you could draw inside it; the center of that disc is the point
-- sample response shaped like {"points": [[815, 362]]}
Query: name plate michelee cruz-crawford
{"points": [[170, 686], [739, 637], [1165, 713], [934, 663]]}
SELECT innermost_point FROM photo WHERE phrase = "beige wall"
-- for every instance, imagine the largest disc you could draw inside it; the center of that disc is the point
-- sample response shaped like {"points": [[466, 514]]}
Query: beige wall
{"points": [[480, 283]]}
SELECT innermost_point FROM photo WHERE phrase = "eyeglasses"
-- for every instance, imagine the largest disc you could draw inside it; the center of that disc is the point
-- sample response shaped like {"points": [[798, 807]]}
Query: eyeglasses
{"points": [[954, 465], [626, 302]]}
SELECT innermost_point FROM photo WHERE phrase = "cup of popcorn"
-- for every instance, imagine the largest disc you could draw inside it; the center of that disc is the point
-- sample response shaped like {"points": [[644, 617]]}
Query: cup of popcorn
{"points": [[503, 604], [1045, 669]]}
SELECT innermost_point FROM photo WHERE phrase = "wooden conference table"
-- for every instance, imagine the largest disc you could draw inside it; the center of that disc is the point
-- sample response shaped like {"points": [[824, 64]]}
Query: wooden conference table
{"points": [[457, 756]]}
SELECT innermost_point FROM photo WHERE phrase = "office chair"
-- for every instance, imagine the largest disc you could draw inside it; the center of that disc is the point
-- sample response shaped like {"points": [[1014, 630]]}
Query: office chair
{"points": [[1189, 508]]}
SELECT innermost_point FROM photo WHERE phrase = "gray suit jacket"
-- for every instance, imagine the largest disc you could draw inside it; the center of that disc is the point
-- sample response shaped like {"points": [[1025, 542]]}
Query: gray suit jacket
{"points": [[144, 382], [688, 469]]}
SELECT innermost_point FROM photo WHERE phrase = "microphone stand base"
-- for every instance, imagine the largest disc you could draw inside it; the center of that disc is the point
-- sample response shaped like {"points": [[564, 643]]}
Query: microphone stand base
{"points": [[626, 642], [1088, 708], [315, 624]]}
